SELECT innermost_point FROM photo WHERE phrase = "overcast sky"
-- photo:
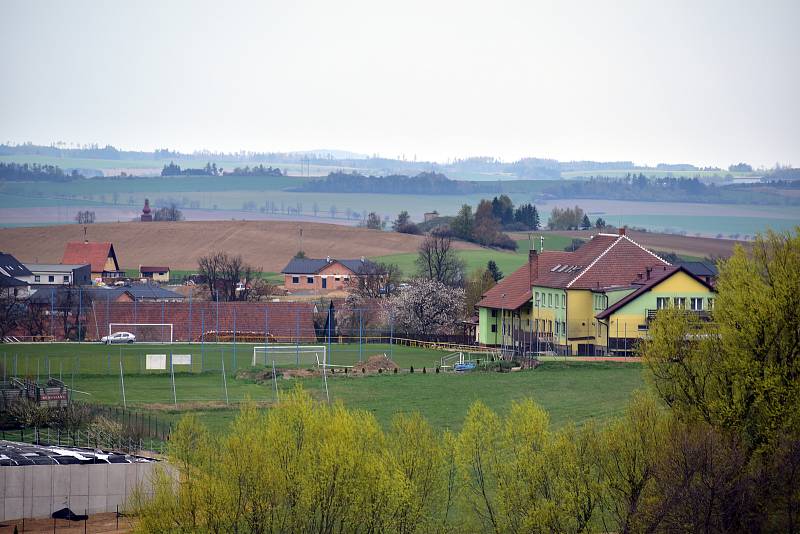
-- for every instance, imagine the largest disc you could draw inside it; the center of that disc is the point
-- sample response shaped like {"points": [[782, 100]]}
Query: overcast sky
{"points": [[704, 82]]}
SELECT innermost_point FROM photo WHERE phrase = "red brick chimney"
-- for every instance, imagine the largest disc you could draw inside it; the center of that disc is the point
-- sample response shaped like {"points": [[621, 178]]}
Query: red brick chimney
{"points": [[533, 266], [622, 231]]}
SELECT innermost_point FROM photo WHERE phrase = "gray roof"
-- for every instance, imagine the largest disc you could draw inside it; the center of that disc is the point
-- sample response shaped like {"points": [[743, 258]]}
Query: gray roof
{"points": [[9, 281], [136, 291], [58, 267], [313, 265], [700, 268], [12, 265]]}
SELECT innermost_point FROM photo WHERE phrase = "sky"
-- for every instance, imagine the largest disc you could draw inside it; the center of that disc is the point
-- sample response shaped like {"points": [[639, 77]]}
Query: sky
{"points": [[702, 82]]}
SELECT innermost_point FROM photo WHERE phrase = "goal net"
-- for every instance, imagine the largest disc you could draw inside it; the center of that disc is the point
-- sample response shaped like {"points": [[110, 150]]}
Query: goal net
{"points": [[290, 355], [144, 332]]}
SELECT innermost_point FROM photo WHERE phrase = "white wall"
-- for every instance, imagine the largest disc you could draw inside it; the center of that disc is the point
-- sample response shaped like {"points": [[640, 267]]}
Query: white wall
{"points": [[33, 491]]}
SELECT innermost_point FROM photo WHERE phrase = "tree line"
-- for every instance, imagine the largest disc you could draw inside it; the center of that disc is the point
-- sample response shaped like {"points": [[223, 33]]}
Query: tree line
{"points": [[24, 172]]}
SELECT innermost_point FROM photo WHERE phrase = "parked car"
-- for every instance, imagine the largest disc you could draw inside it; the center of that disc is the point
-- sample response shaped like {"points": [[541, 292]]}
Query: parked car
{"points": [[118, 337]]}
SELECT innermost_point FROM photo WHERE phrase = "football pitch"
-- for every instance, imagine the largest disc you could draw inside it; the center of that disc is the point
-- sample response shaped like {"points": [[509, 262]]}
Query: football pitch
{"points": [[115, 375]]}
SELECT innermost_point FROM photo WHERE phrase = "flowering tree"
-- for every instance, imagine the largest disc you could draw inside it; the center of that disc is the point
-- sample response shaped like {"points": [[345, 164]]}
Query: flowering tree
{"points": [[426, 307]]}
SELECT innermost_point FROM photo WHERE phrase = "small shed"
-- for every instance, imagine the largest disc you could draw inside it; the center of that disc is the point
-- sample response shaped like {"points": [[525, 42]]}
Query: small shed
{"points": [[154, 273]]}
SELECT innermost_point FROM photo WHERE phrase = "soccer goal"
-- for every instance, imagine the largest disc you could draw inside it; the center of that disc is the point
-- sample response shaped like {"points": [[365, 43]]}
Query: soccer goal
{"points": [[144, 332], [290, 355]]}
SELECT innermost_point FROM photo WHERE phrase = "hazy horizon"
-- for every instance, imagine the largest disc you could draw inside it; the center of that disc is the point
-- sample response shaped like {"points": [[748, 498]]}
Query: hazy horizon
{"points": [[707, 83]]}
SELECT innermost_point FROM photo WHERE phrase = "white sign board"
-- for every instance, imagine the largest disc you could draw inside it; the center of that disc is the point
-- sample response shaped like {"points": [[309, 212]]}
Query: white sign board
{"points": [[156, 361], [181, 359]]}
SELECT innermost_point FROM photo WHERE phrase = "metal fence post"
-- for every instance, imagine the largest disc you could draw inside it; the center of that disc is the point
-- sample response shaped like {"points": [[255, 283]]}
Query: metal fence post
{"points": [[234, 338], [202, 340]]}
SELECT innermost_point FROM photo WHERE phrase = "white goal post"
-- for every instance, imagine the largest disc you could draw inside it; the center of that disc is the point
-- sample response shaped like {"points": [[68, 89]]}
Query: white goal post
{"points": [[311, 355], [144, 332]]}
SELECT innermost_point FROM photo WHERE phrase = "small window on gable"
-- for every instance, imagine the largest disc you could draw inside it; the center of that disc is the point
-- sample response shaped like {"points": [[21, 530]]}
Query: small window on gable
{"points": [[66, 278], [51, 278], [37, 278]]}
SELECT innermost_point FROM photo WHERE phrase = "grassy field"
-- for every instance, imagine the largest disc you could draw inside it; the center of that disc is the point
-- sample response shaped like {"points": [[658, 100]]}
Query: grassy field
{"points": [[570, 391], [176, 275], [508, 262]]}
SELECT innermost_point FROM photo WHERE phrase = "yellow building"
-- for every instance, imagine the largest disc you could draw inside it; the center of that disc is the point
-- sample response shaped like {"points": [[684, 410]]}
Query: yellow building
{"points": [[599, 299]]}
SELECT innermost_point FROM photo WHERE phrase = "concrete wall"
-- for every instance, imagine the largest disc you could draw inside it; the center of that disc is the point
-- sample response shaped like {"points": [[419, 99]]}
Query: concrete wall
{"points": [[39, 490]]}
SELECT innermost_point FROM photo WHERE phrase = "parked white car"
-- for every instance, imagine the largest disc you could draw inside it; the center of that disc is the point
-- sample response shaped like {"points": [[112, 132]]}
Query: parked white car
{"points": [[118, 337]]}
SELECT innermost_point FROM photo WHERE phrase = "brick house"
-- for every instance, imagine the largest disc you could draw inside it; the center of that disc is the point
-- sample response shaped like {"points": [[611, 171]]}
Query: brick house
{"points": [[325, 274], [100, 256]]}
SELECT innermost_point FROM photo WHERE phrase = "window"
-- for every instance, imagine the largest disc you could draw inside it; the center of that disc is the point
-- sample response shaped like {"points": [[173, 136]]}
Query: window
{"points": [[494, 313], [680, 302], [563, 301], [37, 278], [51, 278], [697, 303], [295, 279], [710, 303], [550, 300], [337, 278], [309, 279], [662, 303], [66, 279], [557, 325], [494, 328]]}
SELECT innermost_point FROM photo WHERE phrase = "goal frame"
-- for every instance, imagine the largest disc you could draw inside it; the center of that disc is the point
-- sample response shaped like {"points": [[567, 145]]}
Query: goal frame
{"points": [[170, 325], [261, 351]]}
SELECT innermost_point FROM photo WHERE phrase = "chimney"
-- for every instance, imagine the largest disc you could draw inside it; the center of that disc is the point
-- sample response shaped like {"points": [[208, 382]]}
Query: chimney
{"points": [[363, 259], [648, 271], [622, 231], [328, 259], [533, 266]]}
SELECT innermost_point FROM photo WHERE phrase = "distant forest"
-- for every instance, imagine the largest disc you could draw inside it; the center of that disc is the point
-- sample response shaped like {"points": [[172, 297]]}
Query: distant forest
{"points": [[425, 183], [27, 173], [639, 187]]}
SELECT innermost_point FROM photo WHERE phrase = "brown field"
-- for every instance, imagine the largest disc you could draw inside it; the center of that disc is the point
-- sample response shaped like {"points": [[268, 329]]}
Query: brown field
{"points": [[268, 245], [691, 246]]}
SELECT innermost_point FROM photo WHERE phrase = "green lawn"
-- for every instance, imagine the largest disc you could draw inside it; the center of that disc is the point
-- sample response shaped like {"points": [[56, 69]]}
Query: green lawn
{"points": [[176, 275], [570, 391], [507, 261]]}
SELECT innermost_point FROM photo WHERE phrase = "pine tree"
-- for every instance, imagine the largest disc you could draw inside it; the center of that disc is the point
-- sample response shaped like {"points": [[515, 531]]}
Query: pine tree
{"points": [[497, 274]]}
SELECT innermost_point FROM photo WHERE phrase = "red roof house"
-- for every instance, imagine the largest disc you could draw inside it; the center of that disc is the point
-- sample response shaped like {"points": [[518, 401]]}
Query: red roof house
{"points": [[100, 256]]}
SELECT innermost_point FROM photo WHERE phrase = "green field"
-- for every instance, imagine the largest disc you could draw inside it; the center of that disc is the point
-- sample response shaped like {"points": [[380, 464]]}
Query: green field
{"points": [[507, 262], [176, 275], [569, 391]]}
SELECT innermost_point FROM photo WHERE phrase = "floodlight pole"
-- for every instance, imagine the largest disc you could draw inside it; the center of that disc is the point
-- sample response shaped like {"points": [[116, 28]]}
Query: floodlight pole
{"points": [[172, 373], [225, 381], [122, 381], [274, 380]]}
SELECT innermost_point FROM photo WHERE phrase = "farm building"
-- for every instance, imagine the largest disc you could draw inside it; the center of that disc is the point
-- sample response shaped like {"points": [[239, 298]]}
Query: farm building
{"points": [[326, 274], [100, 256], [43, 274], [156, 274], [599, 299]]}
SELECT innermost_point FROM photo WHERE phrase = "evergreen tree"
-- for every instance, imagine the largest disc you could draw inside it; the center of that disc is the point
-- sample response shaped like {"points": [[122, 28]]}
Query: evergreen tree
{"points": [[496, 273], [586, 223], [463, 223]]}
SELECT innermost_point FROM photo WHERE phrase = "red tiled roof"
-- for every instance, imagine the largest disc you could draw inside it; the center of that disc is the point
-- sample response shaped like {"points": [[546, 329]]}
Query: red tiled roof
{"points": [[605, 261], [656, 277], [516, 287], [95, 254]]}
